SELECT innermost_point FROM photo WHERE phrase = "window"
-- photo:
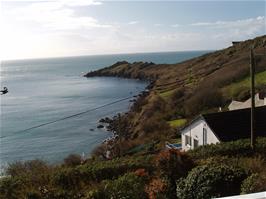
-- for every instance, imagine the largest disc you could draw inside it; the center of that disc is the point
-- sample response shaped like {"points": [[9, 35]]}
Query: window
{"points": [[204, 136], [187, 140], [196, 143]]}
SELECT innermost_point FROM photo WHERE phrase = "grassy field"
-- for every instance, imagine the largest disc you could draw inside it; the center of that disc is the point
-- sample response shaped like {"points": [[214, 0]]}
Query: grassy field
{"points": [[167, 94], [177, 123], [235, 88]]}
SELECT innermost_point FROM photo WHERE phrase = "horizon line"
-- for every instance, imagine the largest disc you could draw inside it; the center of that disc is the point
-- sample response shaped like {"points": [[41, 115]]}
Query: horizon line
{"points": [[131, 53]]}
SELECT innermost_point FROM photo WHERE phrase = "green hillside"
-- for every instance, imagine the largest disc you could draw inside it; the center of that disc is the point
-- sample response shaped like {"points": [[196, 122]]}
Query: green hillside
{"points": [[140, 166]]}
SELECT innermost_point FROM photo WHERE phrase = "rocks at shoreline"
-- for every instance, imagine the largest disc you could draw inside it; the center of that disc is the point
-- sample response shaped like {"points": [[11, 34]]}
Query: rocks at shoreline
{"points": [[100, 126]]}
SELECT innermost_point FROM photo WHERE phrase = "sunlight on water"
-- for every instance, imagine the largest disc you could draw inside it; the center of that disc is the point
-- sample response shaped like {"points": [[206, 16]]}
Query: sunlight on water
{"points": [[44, 90]]}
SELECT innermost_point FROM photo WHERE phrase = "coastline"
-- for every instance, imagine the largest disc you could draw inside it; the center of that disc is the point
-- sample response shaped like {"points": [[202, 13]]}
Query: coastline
{"points": [[178, 91]]}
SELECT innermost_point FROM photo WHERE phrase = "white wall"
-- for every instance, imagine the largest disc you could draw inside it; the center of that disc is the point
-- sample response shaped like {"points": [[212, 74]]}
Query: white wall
{"points": [[195, 131]]}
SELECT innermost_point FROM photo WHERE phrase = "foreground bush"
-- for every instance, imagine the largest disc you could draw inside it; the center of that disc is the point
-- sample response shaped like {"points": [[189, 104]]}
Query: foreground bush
{"points": [[234, 148], [254, 183], [128, 186], [73, 160], [210, 181], [172, 165]]}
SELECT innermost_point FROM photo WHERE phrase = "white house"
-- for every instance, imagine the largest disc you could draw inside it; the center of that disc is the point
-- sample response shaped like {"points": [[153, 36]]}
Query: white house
{"points": [[196, 134], [222, 127], [260, 100]]}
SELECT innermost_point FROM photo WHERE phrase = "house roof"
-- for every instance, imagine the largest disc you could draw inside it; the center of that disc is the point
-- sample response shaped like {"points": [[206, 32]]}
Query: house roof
{"points": [[233, 125]]}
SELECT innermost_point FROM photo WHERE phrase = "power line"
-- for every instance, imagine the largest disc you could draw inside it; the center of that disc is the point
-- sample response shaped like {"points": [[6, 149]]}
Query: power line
{"points": [[71, 116]]}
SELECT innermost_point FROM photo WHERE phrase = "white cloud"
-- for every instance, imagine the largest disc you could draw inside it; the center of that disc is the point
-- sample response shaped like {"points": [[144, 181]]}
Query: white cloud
{"points": [[80, 2], [243, 23], [53, 28], [158, 25], [175, 25], [133, 22], [56, 15]]}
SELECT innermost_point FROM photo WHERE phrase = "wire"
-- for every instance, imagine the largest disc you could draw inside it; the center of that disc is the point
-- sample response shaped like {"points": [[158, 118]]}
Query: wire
{"points": [[71, 116]]}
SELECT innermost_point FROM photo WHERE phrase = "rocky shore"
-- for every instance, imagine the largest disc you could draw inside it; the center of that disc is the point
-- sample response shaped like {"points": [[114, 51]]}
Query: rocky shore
{"points": [[182, 90]]}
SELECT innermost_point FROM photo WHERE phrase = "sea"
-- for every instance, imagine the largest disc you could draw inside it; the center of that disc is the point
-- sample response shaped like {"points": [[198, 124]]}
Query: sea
{"points": [[52, 89]]}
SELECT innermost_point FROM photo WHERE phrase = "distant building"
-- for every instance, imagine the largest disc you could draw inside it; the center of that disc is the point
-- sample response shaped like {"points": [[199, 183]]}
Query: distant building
{"points": [[260, 100], [235, 42], [222, 127]]}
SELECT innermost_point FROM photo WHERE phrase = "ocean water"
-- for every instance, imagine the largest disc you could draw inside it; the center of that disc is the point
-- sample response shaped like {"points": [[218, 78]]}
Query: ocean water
{"points": [[43, 90]]}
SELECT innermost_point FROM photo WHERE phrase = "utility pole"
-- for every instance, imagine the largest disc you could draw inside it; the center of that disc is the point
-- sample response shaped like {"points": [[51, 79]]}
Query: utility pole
{"points": [[252, 93], [119, 131]]}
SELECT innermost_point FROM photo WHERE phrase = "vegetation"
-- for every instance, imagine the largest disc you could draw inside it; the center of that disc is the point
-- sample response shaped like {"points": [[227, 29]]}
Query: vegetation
{"points": [[140, 166], [177, 123], [168, 174], [167, 94], [231, 149], [243, 85], [209, 181]]}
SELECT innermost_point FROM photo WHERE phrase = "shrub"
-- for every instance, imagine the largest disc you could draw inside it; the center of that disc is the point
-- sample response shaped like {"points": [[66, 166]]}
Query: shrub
{"points": [[234, 148], [204, 98], [96, 171], [12, 188], [99, 151], [128, 186], [254, 183], [68, 178], [156, 188], [32, 173], [253, 164], [73, 160], [155, 124], [210, 181], [173, 164], [32, 167]]}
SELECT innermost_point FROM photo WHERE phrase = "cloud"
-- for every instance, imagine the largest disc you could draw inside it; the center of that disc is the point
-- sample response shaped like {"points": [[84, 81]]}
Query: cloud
{"points": [[133, 22], [80, 2], [243, 23], [175, 25], [158, 25], [57, 15]]}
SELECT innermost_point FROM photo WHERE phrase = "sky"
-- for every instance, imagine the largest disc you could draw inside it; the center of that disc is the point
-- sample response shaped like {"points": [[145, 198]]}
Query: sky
{"points": [[58, 28]]}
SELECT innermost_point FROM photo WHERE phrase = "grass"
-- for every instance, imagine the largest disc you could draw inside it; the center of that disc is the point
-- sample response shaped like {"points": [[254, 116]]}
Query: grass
{"points": [[235, 88], [167, 94], [177, 123]]}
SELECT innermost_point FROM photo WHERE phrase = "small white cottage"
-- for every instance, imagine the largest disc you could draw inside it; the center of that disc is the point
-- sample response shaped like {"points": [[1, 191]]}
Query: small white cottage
{"points": [[222, 127], [260, 100]]}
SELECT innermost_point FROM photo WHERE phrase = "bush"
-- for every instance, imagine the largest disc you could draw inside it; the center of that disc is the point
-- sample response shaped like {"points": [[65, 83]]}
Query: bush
{"points": [[32, 168], [73, 160], [210, 181], [254, 183], [12, 188], [36, 172], [68, 178], [156, 124], [173, 164], [128, 186], [74, 178], [234, 148], [156, 189], [204, 98]]}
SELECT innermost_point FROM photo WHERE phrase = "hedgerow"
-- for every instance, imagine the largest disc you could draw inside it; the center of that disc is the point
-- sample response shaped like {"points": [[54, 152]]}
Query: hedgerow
{"points": [[230, 149]]}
